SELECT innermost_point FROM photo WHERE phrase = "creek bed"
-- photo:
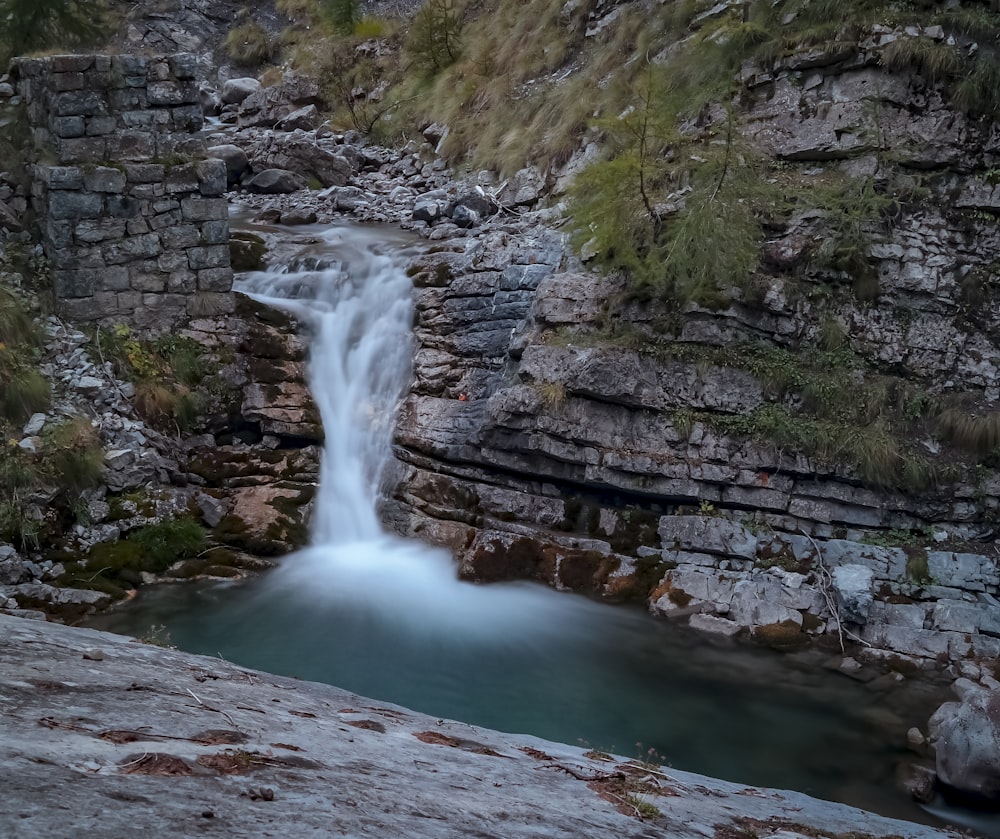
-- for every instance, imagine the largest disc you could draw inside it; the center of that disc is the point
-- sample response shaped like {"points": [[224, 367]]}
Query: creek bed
{"points": [[610, 678], [389, 619]]}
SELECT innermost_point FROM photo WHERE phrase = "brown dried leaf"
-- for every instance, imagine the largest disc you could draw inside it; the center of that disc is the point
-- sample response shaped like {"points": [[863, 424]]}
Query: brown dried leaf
{"points": [[155, 764], [219, 737], [369, 725]]}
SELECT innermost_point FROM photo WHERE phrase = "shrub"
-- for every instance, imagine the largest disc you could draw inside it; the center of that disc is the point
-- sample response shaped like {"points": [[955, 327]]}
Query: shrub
{"points": [[31, 25], [16, 325], [249, 44], [153, 549], [935, 61], [344, 14], [23, 391], [74, 457], [978, 433], [171, 374], [164, 543]]}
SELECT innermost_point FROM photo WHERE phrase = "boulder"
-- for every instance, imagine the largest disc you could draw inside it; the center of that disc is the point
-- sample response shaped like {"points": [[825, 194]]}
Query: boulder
{"points": [[235, 91], [298, 216], [42, 593], [274, 181], [464, 216], [298, 153], [210, 100], [434, 133], [306, 118], [267, 106], [475, 200], [426, 209], [34, 424], [235, 159], [525, 187], [12, 568], [852, 585], [966, 739], [8, 221]]}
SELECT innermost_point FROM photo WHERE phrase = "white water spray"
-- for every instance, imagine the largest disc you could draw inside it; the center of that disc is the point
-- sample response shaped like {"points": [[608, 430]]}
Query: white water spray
{"points": [[358, 313], [356, 308]]}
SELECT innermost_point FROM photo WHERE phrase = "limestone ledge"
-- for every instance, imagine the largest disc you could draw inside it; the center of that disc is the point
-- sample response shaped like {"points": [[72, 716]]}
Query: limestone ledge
{"points": [[186, 745]]}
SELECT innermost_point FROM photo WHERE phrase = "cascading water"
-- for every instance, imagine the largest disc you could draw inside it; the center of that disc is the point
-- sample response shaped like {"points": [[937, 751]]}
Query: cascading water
{"points": [[354, 298], [356, 308]]}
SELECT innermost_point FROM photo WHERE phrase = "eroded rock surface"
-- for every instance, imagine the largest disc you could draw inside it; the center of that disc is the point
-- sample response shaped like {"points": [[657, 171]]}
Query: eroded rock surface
{"points": [[966, 739], [127, 738]]}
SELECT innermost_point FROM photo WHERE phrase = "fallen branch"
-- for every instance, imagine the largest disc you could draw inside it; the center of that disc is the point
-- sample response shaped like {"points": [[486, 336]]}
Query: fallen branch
{"points": [[228, 718], [826, 580], [580, 776]]}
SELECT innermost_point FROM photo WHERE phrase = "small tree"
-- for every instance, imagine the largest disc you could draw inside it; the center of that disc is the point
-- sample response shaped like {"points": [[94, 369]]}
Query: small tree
{"points": [[344, 13], [434, 35], [30, 25]]}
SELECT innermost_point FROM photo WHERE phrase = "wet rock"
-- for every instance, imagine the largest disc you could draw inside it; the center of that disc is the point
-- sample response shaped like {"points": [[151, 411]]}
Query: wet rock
{"points": [[966, 739], [714, 625], [209, 99], [524, 788], [915, 738], [917, 781], [272, 181], [42, 593], [301, 216]]}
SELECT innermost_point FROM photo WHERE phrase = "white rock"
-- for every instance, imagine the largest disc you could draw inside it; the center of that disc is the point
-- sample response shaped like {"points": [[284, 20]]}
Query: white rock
{"points": [[852, 585], [34, 425], [715, 625], [89, 385]]}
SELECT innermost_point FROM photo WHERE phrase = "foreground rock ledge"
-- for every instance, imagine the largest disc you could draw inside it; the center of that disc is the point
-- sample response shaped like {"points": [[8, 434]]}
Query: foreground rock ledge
{"points": [[102, 735]]}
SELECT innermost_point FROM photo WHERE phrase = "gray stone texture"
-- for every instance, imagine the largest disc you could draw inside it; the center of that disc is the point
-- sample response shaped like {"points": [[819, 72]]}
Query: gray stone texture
{"points": [[156, 732], [966, 737], [120, 227]]}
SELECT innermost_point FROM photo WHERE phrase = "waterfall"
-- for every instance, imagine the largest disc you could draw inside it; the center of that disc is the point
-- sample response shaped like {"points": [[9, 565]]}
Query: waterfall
{"points": [[357, 309], [353, 296]]}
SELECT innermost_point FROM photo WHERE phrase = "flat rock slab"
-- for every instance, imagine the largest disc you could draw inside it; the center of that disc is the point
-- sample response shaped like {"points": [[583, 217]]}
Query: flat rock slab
{"points": [[101, 735]]}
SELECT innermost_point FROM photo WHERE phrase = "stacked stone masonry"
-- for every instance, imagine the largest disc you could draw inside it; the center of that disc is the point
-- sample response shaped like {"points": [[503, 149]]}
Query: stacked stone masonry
{"points": [[133, 223]]}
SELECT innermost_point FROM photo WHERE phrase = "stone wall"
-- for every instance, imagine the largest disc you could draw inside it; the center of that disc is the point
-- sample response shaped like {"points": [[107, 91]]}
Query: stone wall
{"points": [[134, 224]]}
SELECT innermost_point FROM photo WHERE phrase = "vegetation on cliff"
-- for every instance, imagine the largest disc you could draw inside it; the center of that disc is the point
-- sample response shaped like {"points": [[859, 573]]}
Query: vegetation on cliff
{"points": [[31, 25]]}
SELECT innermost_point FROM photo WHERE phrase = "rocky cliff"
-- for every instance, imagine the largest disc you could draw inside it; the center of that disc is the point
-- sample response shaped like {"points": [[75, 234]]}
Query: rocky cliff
{"points": [[805, 450]]}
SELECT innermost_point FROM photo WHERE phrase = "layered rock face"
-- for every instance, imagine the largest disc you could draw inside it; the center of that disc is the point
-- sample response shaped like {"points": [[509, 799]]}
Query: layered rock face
{"points": [[540, 442]]}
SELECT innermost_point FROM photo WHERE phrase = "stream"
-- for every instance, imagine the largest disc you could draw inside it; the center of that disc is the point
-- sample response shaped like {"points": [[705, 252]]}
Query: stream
{"points": [[388, 618]]}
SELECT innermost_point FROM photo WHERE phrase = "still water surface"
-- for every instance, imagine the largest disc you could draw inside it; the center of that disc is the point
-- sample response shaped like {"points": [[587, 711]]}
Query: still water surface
{"points": [[522, 658]]}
